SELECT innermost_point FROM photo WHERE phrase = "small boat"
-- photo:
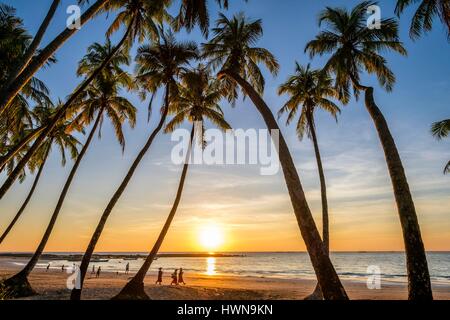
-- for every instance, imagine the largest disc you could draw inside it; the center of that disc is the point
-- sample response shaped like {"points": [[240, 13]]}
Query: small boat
{"points": [[100, 260]]}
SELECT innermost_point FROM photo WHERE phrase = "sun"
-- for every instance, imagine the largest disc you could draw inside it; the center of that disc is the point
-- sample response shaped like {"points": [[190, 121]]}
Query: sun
{"points": [[211, 237]]}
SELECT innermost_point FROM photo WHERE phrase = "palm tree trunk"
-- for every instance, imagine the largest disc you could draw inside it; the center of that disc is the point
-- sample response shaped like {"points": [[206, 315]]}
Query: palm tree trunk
{"points": [[7, 95], [419, 284], [134, 289], [326, 274], [19, 146], [17, 285], [76, 292], [28, 198], [317, 294], [61, 112], [31, 50], [323, 188]]}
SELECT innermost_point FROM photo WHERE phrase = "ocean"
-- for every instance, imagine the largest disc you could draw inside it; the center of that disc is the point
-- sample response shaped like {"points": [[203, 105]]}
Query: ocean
{"points": [[287, 265]]}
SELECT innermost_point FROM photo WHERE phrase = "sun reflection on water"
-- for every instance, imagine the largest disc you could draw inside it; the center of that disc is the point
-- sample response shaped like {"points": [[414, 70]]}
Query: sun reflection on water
{"points": [[211, 266]]}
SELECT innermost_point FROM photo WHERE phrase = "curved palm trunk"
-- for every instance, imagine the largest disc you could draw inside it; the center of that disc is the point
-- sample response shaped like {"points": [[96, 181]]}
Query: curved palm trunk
{"points": [[323, 188], [28, 198], [326, 274], [76, 292], [18, 285], [419, 284], [8, 94], [61, 112], [31, 50], [317, 294], [134, 289], [19, 146]]}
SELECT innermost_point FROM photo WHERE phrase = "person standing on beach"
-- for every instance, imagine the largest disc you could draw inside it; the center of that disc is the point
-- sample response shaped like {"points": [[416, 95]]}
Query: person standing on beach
{"points": [[180, 277], [63, 268], [93, 269], [174, 277], [160, 276], [98, 272], [127, 268]]}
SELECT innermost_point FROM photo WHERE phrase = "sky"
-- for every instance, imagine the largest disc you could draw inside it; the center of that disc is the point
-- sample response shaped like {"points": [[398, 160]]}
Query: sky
{"points": [[252, 212]]}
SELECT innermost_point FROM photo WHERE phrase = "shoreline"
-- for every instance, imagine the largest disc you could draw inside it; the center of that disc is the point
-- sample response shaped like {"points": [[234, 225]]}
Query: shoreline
{"points": [[52, 285]]}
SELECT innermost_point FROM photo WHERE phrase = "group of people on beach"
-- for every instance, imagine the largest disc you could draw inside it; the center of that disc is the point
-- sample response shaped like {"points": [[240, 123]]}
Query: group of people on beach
{"points": [[98, 272], [177, 277]]}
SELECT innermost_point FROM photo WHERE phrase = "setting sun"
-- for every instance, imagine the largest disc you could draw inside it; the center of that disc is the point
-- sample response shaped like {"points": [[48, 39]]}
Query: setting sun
{"points": [[211, 237]]}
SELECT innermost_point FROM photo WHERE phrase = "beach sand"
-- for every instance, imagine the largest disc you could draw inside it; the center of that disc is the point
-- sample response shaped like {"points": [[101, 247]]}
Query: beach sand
{"points": [[51, 285]]}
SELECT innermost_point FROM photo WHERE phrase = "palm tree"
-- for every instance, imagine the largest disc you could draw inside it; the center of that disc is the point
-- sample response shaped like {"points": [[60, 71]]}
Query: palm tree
{"points": [[425, 14], [63, 139], [16, 124], [197, 99], [354, 48], [158, 65], [7, 94], [100, 99], [441, 130], [32, 48], [232, 49], [137, 16], [311, 89], [140, 17], [193, 12]]}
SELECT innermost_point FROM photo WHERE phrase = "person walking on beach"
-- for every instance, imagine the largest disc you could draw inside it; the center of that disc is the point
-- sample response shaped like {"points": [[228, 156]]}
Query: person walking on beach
{"points": [[160, 275], [180, 277], [63, 268], [127, 268], [174, 277], [98, 272]]}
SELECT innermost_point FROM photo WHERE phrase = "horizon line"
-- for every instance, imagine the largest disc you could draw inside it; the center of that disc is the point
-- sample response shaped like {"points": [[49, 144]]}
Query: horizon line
{"points": [[216, 252]]}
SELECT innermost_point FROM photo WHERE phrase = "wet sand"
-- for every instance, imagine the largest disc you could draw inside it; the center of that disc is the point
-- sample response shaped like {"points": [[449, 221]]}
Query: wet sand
{"points": [[52, 285]]}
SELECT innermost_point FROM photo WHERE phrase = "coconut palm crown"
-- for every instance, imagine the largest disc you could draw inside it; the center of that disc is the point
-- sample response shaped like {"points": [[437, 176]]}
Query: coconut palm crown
{"points": [[441, 130], [233, 48], [355, 48], [425, 15], [311, 89]]}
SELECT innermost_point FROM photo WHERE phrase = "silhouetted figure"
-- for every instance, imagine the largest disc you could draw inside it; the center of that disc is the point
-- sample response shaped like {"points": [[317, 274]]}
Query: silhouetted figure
{"points": [[127, 268], [99, 270], [160, 275], [180, 277], [93, 269], [174, 277], [48, 266], [63, 268]]}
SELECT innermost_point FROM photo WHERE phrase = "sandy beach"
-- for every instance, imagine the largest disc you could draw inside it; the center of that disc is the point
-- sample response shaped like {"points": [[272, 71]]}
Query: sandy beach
{"points": [[51, 285]]}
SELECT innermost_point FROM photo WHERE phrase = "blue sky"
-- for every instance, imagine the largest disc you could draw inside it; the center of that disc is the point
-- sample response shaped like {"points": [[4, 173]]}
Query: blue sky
{"points": [[362, 209]]}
